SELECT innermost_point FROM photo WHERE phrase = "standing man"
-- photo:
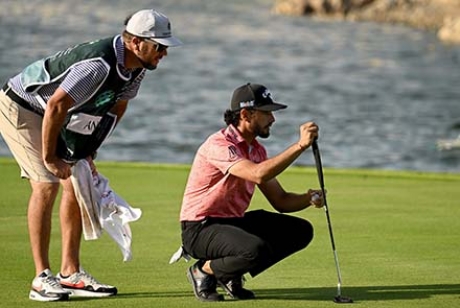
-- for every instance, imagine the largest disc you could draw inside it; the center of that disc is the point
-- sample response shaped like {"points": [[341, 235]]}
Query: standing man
{"points": [[60, 109], [216, 229]]}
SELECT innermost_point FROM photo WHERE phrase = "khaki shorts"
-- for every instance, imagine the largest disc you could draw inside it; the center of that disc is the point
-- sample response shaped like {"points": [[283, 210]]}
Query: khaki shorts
{"points": [[22, 131]]}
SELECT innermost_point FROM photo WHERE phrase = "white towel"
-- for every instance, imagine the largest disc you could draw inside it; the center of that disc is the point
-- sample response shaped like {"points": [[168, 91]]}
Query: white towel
{"points": [[102, 209], [88, 198]]}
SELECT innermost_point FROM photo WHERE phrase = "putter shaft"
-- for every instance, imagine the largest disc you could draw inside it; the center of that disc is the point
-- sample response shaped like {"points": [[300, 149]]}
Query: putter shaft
{"points": [[319, 169]]}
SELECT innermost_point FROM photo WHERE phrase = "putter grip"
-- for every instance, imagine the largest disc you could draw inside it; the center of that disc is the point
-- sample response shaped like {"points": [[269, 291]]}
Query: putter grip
{"points": [[314, 145], [319, 166]]}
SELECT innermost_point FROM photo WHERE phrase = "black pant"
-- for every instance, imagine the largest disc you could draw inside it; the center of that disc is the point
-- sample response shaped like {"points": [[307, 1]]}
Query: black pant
{"points": [[251, 244]]}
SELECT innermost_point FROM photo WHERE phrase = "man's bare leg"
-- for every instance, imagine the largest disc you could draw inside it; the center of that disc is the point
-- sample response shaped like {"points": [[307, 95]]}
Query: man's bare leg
{"points": [[71, 229], [39, 222]]}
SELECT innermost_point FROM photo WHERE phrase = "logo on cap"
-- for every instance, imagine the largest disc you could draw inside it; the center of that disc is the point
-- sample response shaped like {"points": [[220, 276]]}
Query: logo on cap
{"points": [[267, 94], [247, 104]]}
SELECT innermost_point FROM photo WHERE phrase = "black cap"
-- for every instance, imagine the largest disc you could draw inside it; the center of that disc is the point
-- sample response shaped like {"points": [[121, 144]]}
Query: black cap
{"points": [[254, 96]]}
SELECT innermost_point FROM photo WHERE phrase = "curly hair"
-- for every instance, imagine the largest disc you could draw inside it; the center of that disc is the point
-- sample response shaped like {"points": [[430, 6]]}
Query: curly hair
{"points": [[232, 117]]}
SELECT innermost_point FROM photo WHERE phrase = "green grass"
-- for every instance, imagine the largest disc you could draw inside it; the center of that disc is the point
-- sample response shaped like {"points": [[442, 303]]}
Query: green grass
{"points": [[397, 237]]}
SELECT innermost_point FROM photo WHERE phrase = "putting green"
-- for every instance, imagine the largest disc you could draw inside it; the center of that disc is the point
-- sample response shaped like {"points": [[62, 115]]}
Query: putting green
{"points": [[397, 236]]}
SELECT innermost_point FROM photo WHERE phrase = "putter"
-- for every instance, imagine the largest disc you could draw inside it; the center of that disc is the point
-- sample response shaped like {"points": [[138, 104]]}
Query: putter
{"points": [[339, 298]]}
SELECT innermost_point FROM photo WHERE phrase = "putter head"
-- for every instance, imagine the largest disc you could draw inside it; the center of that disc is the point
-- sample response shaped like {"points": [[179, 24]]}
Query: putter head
{"points": [[342, 300]]}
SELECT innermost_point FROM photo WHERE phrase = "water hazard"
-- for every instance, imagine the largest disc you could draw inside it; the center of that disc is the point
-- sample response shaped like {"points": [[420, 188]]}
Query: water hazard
{"points": [[383, 95]]}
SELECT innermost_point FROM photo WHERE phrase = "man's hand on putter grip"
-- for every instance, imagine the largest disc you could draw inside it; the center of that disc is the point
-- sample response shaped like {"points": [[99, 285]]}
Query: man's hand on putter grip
{"points": [[308, 133], [316, 198]]}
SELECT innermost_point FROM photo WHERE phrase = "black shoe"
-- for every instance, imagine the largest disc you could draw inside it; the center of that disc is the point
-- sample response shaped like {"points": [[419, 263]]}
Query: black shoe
{"points": [[204, 285], [235, 290]]}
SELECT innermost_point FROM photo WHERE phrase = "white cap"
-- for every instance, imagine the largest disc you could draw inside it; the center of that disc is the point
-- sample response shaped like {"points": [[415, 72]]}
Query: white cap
{"points": [[153, 25]]}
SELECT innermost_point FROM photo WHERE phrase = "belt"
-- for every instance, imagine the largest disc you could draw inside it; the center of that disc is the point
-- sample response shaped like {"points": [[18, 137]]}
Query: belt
{"points": [[16, 98]]}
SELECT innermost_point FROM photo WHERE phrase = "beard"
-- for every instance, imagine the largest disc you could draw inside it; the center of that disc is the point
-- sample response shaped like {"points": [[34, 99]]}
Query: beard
{"points": [[147, 65], [262, 132]]}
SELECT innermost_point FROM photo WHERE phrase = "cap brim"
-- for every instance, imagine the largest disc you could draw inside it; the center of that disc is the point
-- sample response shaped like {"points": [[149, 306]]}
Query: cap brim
{"points": [[271, 107], [168, 41]]}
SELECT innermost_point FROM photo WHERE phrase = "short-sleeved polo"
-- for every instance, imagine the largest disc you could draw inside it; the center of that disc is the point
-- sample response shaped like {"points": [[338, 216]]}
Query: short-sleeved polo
{"points": [[213, 192]]}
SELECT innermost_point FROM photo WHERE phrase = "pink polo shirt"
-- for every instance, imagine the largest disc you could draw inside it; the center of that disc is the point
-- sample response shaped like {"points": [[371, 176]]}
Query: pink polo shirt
{"points": [[213, 192]]}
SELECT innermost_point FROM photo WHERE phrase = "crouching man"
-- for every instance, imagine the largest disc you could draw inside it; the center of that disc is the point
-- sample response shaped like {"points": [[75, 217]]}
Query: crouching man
{"points": [[217, 229]]}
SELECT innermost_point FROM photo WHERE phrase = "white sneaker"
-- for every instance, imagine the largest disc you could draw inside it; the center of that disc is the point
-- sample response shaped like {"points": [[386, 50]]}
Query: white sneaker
{"points": [[83, 284], [46, 288]]}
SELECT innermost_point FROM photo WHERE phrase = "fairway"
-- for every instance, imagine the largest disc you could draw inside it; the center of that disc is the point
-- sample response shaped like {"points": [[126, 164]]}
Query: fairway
{"points": [[397, 236]]}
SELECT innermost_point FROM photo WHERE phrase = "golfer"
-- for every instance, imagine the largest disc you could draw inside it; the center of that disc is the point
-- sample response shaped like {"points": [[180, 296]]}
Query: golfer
{"points": [[60, 109], [227, 240]]}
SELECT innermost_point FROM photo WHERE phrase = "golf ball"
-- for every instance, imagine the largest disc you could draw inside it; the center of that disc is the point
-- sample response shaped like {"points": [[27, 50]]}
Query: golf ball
{"points": [[315, 198]]}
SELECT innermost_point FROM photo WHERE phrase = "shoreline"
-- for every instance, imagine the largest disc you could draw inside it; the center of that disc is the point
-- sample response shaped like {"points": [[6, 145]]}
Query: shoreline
{"points": [[359, 172], [441, 16]]}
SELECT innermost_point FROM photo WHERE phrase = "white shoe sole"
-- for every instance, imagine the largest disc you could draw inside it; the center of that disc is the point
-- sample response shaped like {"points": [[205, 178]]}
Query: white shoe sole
{"points": [[36, 296], [85, 293]]}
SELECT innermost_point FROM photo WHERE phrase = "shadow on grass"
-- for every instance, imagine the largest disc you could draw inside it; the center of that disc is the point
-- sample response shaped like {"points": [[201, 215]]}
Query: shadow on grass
{"points": [[362, 293], [358, 294], [132, 295]]}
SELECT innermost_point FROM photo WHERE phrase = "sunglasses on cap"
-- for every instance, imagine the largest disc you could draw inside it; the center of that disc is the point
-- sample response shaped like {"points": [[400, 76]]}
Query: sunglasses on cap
{"points": [[158, 47]]}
